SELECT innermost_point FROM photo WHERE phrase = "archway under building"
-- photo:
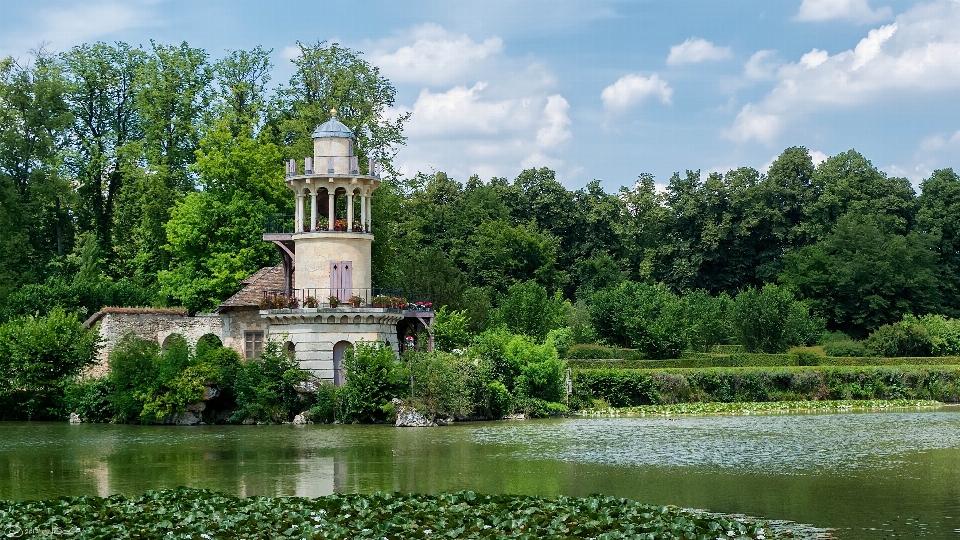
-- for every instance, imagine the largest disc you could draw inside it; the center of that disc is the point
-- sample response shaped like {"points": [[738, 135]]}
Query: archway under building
{"points": [[339, 351]]}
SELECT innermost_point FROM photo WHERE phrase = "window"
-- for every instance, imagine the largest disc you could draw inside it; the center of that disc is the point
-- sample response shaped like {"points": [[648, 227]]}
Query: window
{"points": [[254, 345]]}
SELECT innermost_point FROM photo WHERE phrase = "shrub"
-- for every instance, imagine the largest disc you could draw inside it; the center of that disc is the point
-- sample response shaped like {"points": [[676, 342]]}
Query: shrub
{"points": [[133, 363], [624, 388], [528, 309], [90, 399], [904, 338], [442, 384], [590, 351], [770, 320], [450, 330], [326, 407], [264, 387], [847, 347], [806, 356], [499, 401], [373, 377], [39, 357]]}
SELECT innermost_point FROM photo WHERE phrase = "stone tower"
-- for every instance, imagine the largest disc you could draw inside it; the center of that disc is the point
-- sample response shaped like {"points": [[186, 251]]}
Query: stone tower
{"points": [[329, 300]]}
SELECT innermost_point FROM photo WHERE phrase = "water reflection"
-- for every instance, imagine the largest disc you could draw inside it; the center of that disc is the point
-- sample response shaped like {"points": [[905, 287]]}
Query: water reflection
{"points": [[866, 474]]}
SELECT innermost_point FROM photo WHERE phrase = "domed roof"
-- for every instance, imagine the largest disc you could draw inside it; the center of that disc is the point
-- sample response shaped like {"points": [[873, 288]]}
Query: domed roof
{"points": [[333, 128]]}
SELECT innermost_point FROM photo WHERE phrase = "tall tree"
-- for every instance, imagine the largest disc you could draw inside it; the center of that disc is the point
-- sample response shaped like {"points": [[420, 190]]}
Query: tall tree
{"points": [[335, 77], [939, 217], [34, 198], [100, 93]]}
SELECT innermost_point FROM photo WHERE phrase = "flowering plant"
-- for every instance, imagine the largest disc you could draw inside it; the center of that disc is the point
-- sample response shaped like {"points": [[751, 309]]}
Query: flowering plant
{"points": [[357, 226], [322, 223], [381, 301], [334, 301], [310, 302], [340, 225], [356, 300]]}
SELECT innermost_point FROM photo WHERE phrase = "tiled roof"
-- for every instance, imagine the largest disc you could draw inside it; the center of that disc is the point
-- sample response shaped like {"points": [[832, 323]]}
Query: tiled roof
{"points": [[265, 279]]}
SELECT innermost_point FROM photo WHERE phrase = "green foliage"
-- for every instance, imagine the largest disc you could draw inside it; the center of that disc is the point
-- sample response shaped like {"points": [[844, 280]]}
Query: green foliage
{"points": [[707, 319], [626, 388], [39, 356], [499, 400], [199, 513], [374, 377], [265, 387], [326, 409], [847, 347], [770, 320], [561, 339], [864, 274], [90, 399], [81, 297], [528, 309], [761, 407], [443, 384], [450, 330], [646, 317]]}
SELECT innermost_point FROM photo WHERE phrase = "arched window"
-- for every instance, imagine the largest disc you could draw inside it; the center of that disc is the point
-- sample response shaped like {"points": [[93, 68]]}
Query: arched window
{"points": [[339, 350]]}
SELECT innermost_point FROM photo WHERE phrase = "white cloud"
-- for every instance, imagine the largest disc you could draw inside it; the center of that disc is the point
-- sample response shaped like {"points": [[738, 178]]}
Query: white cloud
{"points": [[695, 50], [857, 11], [65, 26], [938, 142], [916, 56], [761, 65], [436, 56], [478, 111], [632, 89]]}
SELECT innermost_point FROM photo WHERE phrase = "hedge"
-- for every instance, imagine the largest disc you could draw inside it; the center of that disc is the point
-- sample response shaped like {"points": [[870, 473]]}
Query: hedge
{"points": [[628, 388], [708, 360]]}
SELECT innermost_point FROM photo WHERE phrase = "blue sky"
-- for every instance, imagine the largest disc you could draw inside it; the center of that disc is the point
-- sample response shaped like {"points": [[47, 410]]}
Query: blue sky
{"points": [[594, 89]]}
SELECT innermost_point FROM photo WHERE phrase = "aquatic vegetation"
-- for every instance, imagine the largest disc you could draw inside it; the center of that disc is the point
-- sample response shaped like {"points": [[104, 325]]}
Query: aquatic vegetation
{"points": [[194, 513], [757, 407]]}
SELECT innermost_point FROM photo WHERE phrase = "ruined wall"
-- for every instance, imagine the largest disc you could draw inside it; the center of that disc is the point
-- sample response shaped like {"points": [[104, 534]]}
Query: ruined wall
{"points": [[152, 324]]}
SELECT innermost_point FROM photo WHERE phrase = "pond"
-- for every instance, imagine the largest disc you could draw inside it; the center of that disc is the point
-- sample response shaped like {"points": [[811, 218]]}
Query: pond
{"points": [[870, 475]]}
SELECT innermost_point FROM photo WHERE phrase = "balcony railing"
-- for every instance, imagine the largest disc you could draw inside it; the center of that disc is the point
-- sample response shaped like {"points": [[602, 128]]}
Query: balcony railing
{"points": [[279, 224], [286, 224], [391, 299]]}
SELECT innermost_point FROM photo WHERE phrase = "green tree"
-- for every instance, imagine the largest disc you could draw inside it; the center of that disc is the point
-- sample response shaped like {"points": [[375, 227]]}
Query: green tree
{"points": [[100, 90], [647, 317], [39, 356], [864, 274], [374, 377], [335, 77], [528, 309], [501, 255], [938, 217], [35, 199], [770, 320]]}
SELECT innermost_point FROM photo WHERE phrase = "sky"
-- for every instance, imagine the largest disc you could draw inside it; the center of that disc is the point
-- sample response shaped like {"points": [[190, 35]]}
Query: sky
{"points": [[593, 89]]}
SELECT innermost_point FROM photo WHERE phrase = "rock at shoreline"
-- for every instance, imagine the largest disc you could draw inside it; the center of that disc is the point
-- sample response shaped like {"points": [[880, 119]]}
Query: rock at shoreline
{"points": [[410, 417], [75, 418], [302, 419]]}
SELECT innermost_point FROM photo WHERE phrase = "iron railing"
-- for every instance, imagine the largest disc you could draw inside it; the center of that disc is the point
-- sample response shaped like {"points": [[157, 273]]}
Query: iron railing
{"points": [[392, 299], [279, 224], [286, 224]]}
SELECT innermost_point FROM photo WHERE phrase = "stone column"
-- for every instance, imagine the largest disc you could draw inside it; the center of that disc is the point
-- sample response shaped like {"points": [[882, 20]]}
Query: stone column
{"points": [[298, 214], [313, 211], [370, 210], [350, 211], [363, 211], [331, 209]]}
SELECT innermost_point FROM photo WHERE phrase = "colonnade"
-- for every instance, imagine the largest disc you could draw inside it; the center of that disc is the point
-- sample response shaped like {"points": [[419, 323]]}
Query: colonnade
{"points": [[365, 208]]}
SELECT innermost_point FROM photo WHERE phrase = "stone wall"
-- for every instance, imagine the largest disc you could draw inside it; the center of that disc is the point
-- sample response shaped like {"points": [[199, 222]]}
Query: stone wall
{"points": [[148, 323]]}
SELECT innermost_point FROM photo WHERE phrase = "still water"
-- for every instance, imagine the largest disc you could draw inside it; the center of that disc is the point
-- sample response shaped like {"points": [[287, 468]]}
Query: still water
{"points": [[869, 475]]}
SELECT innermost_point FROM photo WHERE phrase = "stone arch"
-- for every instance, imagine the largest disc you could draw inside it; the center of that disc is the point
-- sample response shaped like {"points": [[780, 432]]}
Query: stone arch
{"points": [[343, 320], [290, 349], [369, 319], [339, 350], [206, 342], [169, 339], [357, 319], [331, 320]]}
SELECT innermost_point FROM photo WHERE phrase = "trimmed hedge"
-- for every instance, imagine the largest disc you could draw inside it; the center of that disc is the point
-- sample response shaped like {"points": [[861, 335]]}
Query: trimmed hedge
{"points": [[592, 351], [628, 388], [709, 360]]}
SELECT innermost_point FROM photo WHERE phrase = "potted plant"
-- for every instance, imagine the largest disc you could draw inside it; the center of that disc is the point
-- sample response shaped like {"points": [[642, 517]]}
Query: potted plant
{"points": [[381, 301], [322, 223], [293, 303], [356, 300], [310, 302], [334, 301], [357, 226]]}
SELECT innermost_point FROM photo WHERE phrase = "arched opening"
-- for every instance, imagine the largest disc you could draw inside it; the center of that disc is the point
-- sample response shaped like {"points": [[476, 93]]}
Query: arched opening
{"points": [[339, 351], [207, 343], [173, 340], [290, 349]]}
